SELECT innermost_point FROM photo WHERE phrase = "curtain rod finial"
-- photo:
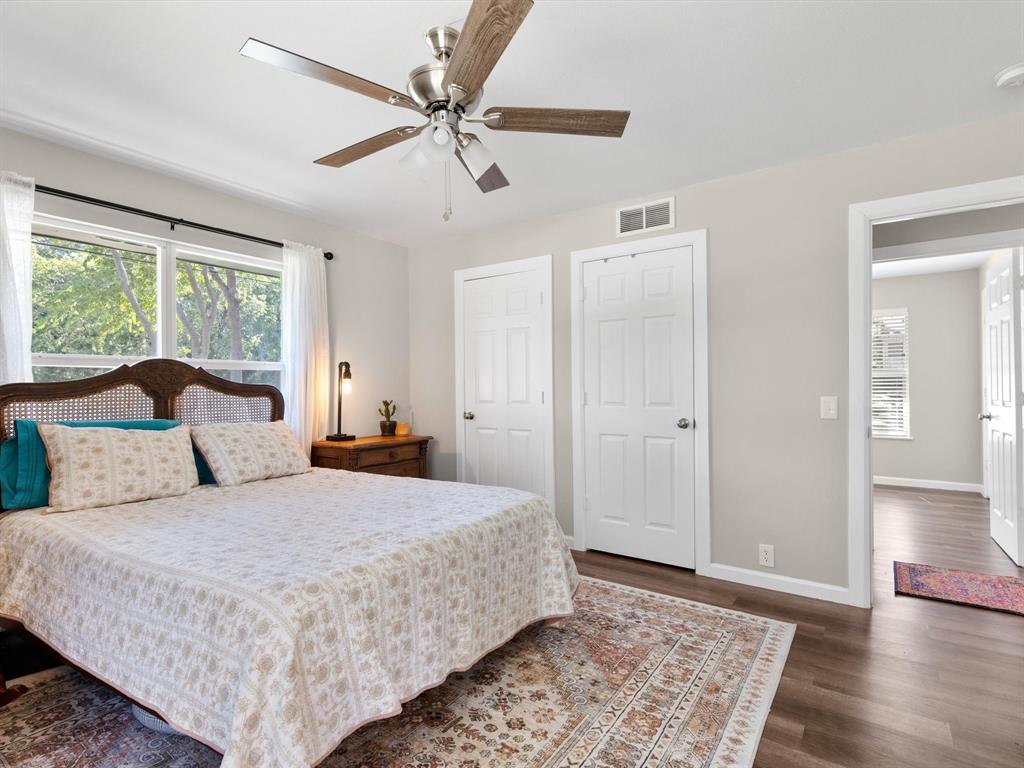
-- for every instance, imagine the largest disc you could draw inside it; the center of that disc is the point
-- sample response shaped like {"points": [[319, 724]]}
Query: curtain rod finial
{"points": [[328, 255]]}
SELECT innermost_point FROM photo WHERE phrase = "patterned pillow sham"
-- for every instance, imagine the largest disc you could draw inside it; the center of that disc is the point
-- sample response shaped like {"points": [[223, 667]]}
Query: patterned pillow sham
{"points": [[100, 466], [245, 451]]}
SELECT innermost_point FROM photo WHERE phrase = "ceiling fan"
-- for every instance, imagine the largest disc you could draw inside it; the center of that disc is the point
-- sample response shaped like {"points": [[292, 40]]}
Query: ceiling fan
{"points": [[447, 91]]}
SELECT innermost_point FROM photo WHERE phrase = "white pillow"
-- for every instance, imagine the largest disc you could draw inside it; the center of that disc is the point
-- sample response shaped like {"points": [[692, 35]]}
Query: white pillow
{"points": [[241, 452], [101, 466]]}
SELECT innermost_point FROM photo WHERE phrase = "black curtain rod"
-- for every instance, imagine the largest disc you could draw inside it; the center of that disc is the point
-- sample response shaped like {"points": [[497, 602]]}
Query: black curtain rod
{"points": [[174, 222]]}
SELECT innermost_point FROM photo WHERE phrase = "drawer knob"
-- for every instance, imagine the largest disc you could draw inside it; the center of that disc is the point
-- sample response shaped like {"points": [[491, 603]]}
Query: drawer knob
{"points": [[392, 454]]}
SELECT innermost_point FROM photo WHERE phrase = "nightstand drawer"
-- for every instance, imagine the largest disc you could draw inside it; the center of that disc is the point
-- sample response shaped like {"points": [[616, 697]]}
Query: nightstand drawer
{"points": [[401, 469], [374, 456], [404, 456]]}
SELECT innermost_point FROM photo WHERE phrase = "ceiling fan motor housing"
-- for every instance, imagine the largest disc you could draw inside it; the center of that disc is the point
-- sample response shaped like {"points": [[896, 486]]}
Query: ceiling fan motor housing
{"points": [[424, 86]]}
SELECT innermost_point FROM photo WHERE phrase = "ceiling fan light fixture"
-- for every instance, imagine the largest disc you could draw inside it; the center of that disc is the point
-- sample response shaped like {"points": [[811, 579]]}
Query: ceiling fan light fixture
{"points": [[437, 141], [416, 163], [475, 156]]}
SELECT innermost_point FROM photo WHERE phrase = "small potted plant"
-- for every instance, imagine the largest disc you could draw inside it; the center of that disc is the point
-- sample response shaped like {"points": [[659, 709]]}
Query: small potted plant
{"points": [[388, 409]]}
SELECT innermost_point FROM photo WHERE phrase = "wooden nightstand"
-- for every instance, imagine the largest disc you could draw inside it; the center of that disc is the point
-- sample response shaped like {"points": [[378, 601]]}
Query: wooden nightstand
{"points": [[401, 456]]}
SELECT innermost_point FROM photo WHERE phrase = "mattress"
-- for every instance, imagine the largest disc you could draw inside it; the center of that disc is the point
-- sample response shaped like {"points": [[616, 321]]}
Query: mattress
{"points": [[272, 619]]}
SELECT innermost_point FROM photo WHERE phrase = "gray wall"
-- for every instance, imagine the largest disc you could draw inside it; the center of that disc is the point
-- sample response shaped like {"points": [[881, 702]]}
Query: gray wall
{"points": [[999, 219], [366, 282], [778, 329], [944, 321]]}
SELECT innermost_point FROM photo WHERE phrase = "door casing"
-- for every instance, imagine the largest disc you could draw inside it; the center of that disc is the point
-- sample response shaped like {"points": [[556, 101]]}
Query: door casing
{"points": [[697, 240], [462, 276]]}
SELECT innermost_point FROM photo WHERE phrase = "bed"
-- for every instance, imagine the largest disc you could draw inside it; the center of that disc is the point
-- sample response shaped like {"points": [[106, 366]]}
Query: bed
{"points": [[269, 620]]}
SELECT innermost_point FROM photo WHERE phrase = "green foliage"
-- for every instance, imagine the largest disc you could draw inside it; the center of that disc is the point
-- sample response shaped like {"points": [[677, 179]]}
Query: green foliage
{"points": [[227, 314], [387, 409], [79, 304]]}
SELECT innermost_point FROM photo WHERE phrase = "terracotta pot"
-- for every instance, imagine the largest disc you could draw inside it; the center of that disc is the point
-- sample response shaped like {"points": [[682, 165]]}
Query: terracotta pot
{"points": [[388, 427]]}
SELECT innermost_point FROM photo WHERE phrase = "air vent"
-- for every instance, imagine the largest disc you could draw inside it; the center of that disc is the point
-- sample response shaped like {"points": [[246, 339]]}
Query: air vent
{"points": [[631, 220], [657, 214]]}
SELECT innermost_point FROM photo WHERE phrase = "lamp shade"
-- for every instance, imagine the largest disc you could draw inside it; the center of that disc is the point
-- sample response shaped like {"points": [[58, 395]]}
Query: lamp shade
{"points": [[475, 156], [417, 164], [437, 142]]}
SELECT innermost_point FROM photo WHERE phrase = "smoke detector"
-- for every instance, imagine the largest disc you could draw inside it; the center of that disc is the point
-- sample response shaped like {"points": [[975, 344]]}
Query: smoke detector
{"points": [[1011, 77]]}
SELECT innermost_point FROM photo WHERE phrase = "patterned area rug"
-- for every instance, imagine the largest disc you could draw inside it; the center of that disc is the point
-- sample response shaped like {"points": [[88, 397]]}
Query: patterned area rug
{"points": [[997, 593], [632, 679]]}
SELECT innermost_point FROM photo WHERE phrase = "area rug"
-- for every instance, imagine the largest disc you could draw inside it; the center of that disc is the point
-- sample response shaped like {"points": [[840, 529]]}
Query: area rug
{"points": [[997, 593], [633, 679]]}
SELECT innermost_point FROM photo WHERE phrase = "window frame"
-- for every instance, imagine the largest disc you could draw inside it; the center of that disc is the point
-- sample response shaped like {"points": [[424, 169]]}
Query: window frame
{"points": [[167, 251], [906, 434]]}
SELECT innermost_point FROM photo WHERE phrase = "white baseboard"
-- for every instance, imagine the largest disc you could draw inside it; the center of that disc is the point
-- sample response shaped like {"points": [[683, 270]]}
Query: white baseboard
{"points": [[779, 583], [570, 540], [934, 485]]}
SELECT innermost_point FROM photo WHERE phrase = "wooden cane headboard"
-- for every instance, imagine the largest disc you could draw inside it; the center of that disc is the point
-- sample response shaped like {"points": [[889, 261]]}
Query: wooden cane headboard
{"points": [[151, 389]]}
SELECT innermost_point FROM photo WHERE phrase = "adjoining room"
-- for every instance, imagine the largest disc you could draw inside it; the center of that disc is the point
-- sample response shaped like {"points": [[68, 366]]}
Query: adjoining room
{"points": [[945, 414]]}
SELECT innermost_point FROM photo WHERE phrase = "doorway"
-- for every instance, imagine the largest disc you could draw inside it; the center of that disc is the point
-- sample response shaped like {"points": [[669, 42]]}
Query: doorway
{"points": [[504, 430], [640, 410], [863, 217]]}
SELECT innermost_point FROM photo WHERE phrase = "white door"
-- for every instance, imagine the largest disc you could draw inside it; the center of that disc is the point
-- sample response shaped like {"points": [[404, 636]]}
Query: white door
{"points": [[505, 416], [999, 417], [639, 405]]}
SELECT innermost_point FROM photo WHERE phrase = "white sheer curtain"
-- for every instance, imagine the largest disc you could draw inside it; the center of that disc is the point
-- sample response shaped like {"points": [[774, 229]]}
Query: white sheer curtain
{"points": [[304, 347], [17, 201]]}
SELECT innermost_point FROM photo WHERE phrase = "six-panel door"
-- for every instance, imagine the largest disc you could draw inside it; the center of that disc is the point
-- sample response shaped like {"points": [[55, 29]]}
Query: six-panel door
{"points": [[505, 343], [638, 405]]}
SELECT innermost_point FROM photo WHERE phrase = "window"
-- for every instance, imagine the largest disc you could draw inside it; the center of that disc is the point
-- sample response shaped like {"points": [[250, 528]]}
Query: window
{"points": [[100, 300], [890, 374]]}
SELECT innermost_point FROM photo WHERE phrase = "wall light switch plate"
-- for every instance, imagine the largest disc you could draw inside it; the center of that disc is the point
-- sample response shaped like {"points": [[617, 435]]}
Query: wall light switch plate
{"points": [[766, 555], [830, 406]]}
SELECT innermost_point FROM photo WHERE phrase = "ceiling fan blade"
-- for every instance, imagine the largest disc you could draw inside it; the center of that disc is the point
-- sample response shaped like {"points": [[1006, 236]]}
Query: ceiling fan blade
{"points": [[369, 146], [490, 180], [279, 57], [581, 122], [489, 28]]}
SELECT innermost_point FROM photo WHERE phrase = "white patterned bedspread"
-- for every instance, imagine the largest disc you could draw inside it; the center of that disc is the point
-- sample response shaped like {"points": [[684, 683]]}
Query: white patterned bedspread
{"points": [[271, 619]]}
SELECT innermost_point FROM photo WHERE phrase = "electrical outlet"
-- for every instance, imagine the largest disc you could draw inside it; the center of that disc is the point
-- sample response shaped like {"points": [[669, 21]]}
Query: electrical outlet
{"points": [[766, 555]]}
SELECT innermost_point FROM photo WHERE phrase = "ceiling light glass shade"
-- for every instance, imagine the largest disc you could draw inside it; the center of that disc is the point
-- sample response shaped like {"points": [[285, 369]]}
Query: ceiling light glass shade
{"points": [[417, 164], [477, 159], [437, 143]]}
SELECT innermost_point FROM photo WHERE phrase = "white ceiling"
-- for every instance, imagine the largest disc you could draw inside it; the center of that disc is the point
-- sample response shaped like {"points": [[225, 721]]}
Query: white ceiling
{"points": [[715, 89], [929, 265]]}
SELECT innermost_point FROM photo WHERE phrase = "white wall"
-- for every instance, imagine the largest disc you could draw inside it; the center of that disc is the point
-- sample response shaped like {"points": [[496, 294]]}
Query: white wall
{"points": [[778, 329], [367, 282], [944, 321]]}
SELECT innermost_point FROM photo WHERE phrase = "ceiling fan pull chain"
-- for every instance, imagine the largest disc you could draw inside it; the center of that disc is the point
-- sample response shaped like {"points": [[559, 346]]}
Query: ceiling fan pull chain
{"points": [[447, 190]]}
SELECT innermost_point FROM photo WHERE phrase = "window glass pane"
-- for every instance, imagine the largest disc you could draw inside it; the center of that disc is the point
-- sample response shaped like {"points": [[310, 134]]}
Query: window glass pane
{"points": [[92, 295], [45, 373], [227, 313], [250, 377]]}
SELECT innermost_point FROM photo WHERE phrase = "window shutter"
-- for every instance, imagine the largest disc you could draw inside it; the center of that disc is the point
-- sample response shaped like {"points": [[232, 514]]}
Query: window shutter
{"points": [[890, 374]]}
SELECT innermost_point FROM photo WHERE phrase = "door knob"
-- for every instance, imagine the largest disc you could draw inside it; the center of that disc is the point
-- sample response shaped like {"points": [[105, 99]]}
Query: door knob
{"points": [[984, 417], [468, 415], [683, 423]]}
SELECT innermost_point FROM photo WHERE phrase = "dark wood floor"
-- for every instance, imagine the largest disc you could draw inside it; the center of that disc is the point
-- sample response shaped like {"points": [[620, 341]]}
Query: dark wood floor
{"points": [[912, 683]]}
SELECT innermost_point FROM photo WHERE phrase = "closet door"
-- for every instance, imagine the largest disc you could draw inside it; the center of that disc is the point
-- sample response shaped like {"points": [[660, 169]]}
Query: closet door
{"points": [[505, 345], [639, 405]]}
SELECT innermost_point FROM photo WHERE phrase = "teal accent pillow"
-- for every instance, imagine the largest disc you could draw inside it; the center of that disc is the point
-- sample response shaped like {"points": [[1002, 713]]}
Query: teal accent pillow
{"points": [[205, 473], [24, 476]]}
